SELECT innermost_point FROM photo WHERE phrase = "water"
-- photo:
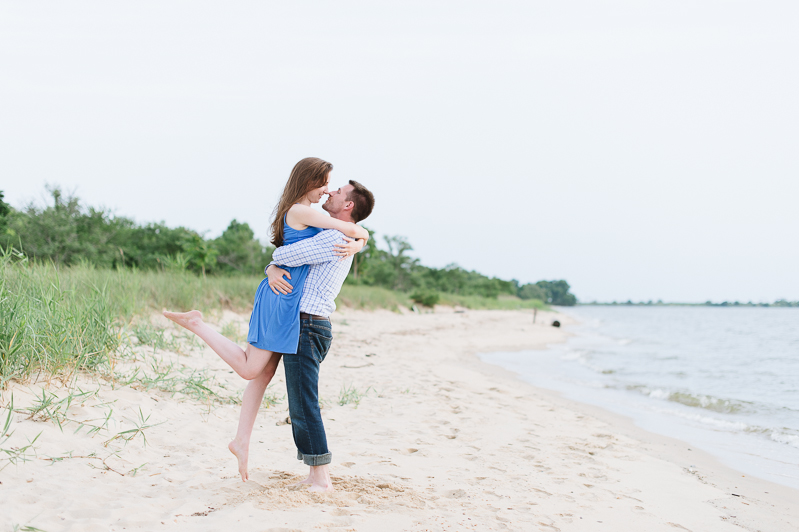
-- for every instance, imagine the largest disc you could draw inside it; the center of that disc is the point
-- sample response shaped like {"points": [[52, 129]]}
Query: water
{"points": [[723, 379]]}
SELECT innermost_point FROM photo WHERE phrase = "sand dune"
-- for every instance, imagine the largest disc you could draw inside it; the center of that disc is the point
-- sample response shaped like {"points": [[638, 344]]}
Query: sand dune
{"points": [[429, 438]]}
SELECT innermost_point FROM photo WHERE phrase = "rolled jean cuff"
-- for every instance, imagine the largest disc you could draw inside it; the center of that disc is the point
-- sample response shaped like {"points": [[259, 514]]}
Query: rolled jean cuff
{"points": [[315, 459]]}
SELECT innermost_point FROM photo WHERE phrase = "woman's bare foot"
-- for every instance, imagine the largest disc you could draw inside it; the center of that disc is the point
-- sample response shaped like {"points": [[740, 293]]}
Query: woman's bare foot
{"points": [[241, 452], [189, 320]]}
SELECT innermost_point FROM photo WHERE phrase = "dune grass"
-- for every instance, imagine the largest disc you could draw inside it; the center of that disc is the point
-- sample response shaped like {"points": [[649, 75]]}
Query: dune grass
{"points": [[372, 297], [57, 320]]}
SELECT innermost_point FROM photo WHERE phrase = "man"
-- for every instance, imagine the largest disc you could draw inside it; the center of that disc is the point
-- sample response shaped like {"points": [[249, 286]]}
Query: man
{"points": [[351, 203]]}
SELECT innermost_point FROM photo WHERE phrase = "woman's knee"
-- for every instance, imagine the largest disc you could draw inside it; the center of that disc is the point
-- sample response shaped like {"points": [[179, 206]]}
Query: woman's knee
{"points": [[249, 374], [265, 375], [262, 375]]}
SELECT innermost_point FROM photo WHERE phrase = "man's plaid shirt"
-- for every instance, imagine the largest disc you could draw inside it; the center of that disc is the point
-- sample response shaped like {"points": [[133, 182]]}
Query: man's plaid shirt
{"points": [[327, 272]]}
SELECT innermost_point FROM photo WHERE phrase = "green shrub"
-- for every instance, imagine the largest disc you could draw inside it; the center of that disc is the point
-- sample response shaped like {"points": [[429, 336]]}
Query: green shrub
{"points": [[425, 297]]}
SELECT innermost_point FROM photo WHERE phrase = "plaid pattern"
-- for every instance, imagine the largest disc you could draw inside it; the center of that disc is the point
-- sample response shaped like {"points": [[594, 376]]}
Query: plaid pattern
{"points": [[327, 272]]}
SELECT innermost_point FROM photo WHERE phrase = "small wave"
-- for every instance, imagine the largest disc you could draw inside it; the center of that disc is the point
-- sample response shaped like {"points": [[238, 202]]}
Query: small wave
{"points": [[707, 402], [709, 420], [573, 355], [584, 359], [782, 437], [785, 435]]}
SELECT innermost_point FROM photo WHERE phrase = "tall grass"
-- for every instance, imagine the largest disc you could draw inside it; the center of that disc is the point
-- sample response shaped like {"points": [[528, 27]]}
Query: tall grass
{"points": [[372, 297], [57, 320]]}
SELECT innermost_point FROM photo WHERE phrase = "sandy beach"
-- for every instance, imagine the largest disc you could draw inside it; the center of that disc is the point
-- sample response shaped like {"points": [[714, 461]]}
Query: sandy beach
{"points": [[424, 437]]}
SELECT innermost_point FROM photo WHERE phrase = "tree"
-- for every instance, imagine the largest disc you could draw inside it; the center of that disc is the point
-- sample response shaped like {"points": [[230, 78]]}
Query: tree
{"points": [[202, 254], [402, 264], [557, 293], [365, 255], [5, 213], [240, 251], [392, 268], [149, 246], [533, 291], [52, 232]]}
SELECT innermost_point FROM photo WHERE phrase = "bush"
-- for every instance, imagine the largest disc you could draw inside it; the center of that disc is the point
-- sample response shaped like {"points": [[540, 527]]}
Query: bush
{"points": [[425, 297]]}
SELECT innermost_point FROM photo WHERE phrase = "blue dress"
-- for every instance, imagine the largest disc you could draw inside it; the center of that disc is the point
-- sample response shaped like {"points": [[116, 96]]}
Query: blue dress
{"points": [[275, 318]]}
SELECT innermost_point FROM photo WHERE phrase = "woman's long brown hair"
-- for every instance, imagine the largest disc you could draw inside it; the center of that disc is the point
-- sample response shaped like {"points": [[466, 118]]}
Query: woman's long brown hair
{"points": [[308, 174]]}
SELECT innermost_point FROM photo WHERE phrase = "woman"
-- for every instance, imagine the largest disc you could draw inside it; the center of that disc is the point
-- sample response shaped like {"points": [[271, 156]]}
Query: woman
{"points": [[275, 319]]}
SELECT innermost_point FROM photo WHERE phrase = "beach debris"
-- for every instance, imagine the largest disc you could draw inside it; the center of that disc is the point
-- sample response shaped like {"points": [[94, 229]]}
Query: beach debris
{"points": [[205, 513], [556, 323], [286, 421]]}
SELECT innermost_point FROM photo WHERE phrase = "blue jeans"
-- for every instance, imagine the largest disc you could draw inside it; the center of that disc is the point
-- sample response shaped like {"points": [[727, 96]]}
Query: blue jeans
{"points": [[302, 385]]}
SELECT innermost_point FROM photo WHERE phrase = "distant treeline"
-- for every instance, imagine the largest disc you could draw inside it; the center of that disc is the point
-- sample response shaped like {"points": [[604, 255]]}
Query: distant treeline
{"points": [[778, 303], [69, 233]]}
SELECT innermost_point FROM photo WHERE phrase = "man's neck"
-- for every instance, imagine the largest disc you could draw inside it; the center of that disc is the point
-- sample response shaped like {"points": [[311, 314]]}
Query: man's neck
{"points": [[344, 217]]}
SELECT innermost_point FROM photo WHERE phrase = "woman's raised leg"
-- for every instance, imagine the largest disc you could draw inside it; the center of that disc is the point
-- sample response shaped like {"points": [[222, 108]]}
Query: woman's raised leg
{"points": [[250, 403], [248, 364]]}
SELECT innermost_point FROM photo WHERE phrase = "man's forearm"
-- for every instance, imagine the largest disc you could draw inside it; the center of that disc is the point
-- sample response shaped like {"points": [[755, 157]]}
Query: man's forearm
{"points": [[315, 250]]}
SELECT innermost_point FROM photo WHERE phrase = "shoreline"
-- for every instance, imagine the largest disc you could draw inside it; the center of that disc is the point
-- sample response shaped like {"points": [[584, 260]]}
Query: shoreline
{"points": [[706, 466], [610, 363], [428, 438]]}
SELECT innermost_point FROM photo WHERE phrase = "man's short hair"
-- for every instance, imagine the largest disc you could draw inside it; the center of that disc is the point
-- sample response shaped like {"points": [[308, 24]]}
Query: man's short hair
{"points": [[363, 199]]}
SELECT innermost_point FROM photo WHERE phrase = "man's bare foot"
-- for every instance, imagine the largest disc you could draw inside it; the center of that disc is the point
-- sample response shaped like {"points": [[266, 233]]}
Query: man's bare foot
{"points": [[308, 480], [320, 479], [189, 320], [241, 452], [320, 487]]}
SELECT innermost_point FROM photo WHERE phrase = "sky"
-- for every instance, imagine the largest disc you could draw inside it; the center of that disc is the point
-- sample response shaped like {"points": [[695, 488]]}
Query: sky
{"points": [[639, 150]]}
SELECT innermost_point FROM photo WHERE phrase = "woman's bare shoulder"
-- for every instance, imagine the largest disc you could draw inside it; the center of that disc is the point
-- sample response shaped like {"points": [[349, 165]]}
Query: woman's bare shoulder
{"points": [[298, 208]]}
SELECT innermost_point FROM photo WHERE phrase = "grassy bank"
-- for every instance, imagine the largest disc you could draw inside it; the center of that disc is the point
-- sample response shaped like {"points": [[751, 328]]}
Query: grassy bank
{"points": [[58, 320], [371, 297]]}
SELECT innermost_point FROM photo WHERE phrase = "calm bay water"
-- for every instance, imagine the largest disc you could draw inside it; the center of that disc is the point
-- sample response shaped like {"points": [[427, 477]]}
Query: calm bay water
{"points": [[723, 379]]}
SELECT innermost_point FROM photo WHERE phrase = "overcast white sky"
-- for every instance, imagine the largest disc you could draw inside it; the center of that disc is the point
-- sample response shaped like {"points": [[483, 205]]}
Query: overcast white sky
{"points": [[643, 150]]}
